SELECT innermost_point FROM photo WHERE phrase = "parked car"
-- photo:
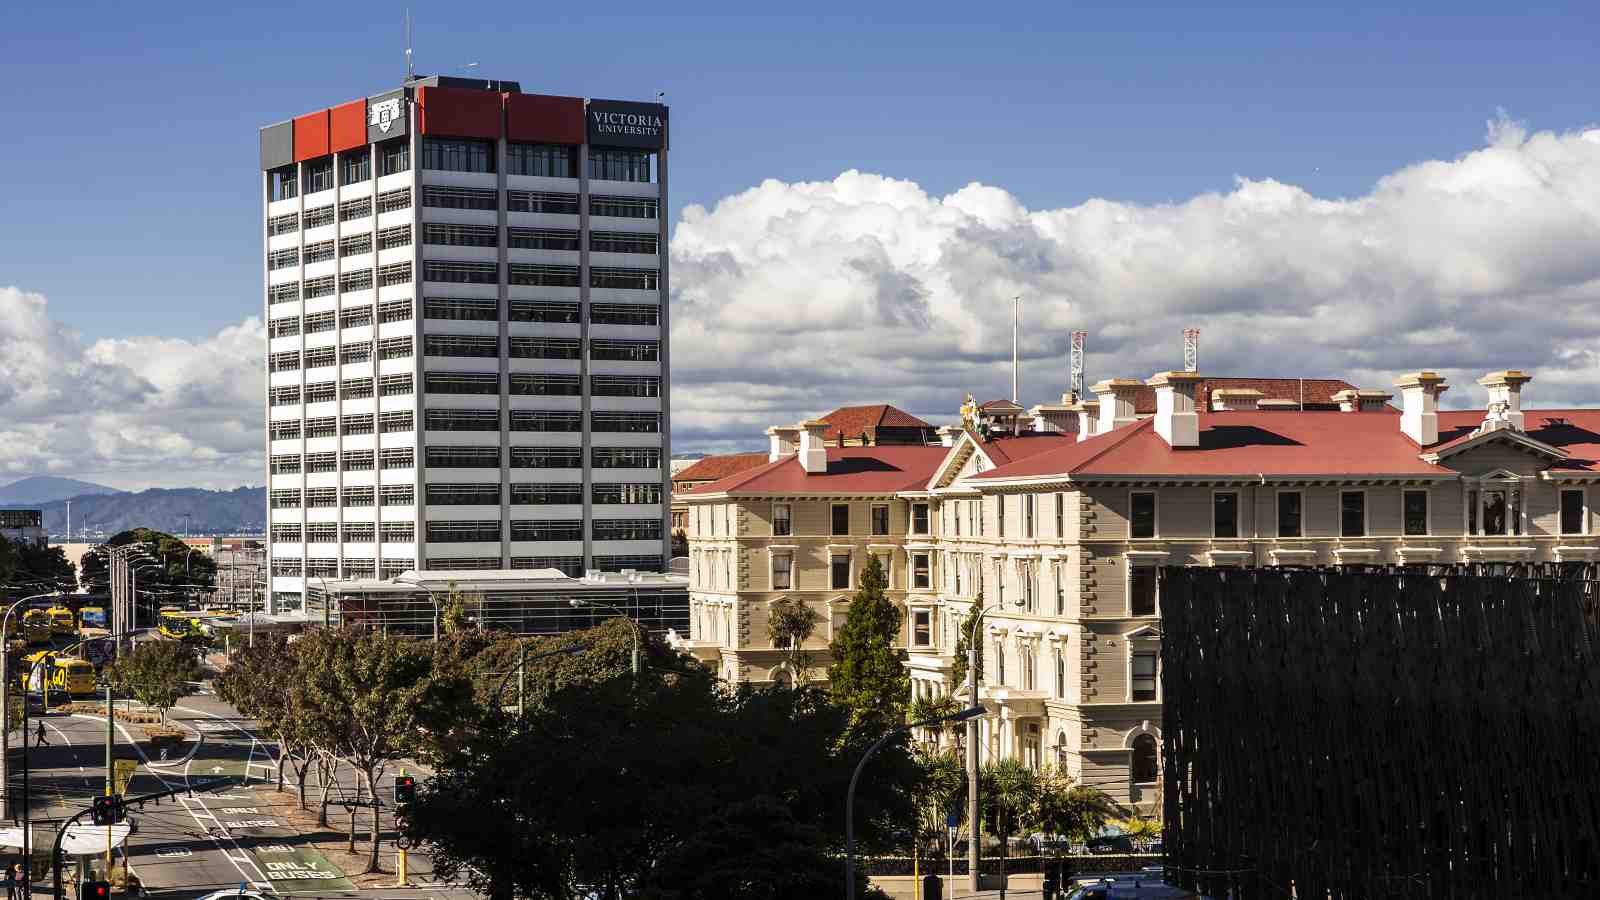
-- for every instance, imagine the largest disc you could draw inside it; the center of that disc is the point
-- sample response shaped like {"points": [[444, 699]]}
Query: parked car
{"points": [[1143, 885]]}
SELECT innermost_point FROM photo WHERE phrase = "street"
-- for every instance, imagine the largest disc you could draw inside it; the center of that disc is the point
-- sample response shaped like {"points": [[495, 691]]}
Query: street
{"points": [[192, 845]]}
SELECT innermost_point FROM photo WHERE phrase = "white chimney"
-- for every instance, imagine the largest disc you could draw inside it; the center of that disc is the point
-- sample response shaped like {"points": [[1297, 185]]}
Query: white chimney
{"points": [[1235, 399], [1349, 400], [782, 441], [1176, 418], [948, 435], [1419, 405], [813, 452], [1088, 411], [1505, 388], [1116, 397]]}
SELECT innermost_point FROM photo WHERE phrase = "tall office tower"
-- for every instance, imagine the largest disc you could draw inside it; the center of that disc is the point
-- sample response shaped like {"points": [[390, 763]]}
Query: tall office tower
{"points": [[466, 297]]}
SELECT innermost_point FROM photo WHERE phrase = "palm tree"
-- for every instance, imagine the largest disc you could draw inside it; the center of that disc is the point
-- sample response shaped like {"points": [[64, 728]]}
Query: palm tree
{"points": [[942, 787], [790, 623], [1012, 789], [924, 708], [1066, 810]]}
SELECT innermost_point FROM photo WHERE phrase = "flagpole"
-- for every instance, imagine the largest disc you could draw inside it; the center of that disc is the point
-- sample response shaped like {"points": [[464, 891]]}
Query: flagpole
{"points": [[1016, 313]]}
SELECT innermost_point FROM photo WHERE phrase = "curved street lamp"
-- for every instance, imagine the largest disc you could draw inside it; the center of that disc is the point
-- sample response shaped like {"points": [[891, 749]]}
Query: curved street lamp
{"points": [[972, 744], [971, 712], [522, 664], [579, 603]]}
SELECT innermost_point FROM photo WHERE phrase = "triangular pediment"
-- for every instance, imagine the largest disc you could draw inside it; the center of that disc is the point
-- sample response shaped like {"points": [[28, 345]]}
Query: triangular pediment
{"points": [[1463, 448], [961, 461]]}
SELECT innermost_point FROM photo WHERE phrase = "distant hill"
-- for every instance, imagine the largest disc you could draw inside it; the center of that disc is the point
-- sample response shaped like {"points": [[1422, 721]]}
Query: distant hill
{"points": [[39, 489], [242, 510]]}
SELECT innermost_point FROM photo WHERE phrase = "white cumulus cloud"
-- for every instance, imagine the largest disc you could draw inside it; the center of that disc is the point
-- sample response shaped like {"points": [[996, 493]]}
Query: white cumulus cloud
{"points": [[789, 299], [133, 412]]}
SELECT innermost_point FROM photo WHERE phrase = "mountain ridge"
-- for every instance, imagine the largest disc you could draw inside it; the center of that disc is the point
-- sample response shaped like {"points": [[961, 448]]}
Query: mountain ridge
{"points": [[241, 510], [36, 489]]}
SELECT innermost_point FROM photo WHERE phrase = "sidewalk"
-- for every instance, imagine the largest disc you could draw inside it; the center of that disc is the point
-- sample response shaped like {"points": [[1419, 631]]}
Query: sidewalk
{"points": [[332, 841]]}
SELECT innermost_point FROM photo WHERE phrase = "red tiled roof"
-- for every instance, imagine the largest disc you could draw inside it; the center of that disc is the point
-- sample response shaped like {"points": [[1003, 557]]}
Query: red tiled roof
{"points": [[1318, 391], [856, 420], [711, 468], [1010, 448], [851, 470], [1576, 431]]}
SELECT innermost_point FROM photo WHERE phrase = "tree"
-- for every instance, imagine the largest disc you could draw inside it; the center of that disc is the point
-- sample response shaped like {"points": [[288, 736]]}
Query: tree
{"points": [[158, 673], [27, 569], [1065, 810], [259, 682], [867, 676], [941, 791], [639, 778], [790, 623], [460, 610], [958, 669], [179, 566], [1009, 793], [362, 694]]}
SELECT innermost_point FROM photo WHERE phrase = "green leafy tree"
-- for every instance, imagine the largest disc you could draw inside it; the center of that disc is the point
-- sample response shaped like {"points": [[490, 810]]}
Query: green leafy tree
{"points": [[958, 668], [790, 623], [363, 695], [158, 673], [867, 676], [26, 569], [259, 682], [180, 568], [1063, 809], [1009, 792], [666, 786], [460, 610], [941, 790]]}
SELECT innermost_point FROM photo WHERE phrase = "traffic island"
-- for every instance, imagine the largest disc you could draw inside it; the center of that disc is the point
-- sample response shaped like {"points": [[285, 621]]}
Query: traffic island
{"points": [[331, 842]]}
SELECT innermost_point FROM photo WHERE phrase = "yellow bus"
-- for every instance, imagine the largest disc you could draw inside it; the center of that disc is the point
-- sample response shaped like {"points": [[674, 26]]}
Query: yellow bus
{"points": [[92, 616], [175, 623], [36, 626], [67, 674], [62, 622]]}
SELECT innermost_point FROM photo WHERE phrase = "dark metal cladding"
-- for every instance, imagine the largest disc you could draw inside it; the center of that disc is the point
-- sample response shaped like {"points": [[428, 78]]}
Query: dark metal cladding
{"points": [[277, 145]]}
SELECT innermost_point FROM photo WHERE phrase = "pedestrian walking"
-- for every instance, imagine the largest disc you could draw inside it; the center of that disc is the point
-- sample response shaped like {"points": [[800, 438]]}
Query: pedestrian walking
{"points": [[40, 741], [11, 883], [22, 876]]}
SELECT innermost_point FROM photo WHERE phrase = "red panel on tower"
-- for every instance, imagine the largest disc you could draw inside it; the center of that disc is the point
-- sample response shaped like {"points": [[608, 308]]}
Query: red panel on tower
{"points": [[311, 136], [348, 126], [544, 120], [459, 112]]}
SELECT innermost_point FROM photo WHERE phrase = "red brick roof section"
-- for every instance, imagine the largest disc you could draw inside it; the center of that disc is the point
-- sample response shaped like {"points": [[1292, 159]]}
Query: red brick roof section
{"points": [[854, 421], [851, 470], [711, 468], [1317, 391], [1576, 431], [1010, 448]]}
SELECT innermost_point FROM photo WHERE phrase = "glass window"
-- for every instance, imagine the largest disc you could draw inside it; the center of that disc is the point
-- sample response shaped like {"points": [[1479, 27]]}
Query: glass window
{"points": [[1289, 514], [919, 518], [622, 314], [542, 202], [616, 207], [548, 160], [781, 525], [542, 239], [922, 628], [1416, 512], [354, 166], [282, 184], [456, 155], [1061, 515], [1225, 515], [782, 571], [394, 156], [318, 174], [459, 198], [839, 569], [1000, 516], [1352, 514], [1141, 591], [921, 571], [622, 242], [841, 519], [880, 518], [1142, 518], [1572, 512], [1143, 683], [608, 164], [1145, 767]]}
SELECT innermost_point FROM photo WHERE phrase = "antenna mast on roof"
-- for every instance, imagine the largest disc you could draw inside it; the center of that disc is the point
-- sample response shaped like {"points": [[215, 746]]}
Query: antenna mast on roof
{"points": [[1191, 349], [1075, 374], [411, 72], [1016, 318]]}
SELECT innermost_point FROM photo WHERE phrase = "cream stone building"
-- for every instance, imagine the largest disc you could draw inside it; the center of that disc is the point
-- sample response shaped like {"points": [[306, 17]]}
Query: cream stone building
{"points": [[1059, 517]]}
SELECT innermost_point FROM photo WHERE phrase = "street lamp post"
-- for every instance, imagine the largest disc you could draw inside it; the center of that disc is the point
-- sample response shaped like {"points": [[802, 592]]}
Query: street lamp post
{"points": [[965, 715], [579, 602], [521, 669], [972, 750], [133, 599], [5, 705]]}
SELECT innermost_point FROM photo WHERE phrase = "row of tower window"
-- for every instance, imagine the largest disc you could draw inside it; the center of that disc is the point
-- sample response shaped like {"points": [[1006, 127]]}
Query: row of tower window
{"points": [[456, 494], [391, 568], [458, 272], [446, 197], [445, 345], [450, 456], [459, 155], [453, 235], [602, 422], [476, 531], [469, 383]]}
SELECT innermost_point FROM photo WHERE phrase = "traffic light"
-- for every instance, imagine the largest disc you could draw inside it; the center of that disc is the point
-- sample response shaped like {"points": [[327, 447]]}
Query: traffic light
{"points": [[405, 789], [107, 810], [95, 890]]}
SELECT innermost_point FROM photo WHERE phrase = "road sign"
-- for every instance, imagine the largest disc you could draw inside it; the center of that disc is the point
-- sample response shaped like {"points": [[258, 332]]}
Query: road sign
{"points": [[952, 820], [122, 772]]}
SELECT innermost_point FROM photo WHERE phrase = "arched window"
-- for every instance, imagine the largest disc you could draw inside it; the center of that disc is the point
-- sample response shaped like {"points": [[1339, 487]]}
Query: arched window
{"points": [[1025, 657], [1061, 748], [1145, 768], [781, 678]]}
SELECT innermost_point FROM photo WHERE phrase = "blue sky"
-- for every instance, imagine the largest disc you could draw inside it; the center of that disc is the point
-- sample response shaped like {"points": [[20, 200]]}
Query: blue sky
{"points": [[131, 139]]}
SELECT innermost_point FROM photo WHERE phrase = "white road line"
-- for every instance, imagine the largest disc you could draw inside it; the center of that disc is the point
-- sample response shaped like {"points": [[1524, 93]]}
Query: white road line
{"points": [[261, 882]]}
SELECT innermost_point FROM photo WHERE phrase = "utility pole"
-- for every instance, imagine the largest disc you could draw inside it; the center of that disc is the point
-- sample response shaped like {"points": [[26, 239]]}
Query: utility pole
{"points": [[111, 778]]}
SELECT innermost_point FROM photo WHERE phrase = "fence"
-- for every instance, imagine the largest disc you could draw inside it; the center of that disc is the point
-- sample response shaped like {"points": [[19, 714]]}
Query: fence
{"points": [[1409, 733], [1075, 864]]}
